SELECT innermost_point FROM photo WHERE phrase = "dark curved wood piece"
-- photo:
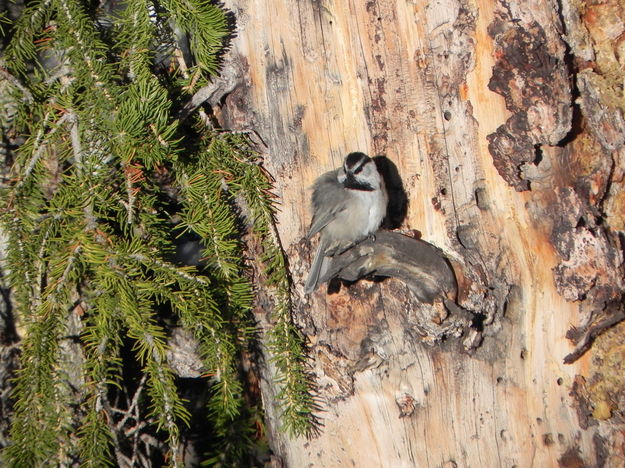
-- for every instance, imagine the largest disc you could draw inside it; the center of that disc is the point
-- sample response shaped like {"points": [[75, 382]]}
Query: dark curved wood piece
{"points": [[422, 266]]}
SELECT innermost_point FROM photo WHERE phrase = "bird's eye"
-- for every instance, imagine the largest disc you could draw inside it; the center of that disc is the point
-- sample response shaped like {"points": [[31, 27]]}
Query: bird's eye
{"points": [[359, 170]]}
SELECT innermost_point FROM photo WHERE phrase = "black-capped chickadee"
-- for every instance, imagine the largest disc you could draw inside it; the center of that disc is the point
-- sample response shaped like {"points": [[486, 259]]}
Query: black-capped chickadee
{"points": [[348, 204]]}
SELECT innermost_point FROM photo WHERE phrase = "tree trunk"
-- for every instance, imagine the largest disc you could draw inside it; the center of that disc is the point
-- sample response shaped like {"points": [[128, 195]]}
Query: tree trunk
{"points": [[504, 123]]}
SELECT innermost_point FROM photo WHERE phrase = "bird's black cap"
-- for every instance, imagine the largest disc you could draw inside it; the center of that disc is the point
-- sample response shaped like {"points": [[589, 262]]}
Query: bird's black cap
{"points": [[353, 160]]}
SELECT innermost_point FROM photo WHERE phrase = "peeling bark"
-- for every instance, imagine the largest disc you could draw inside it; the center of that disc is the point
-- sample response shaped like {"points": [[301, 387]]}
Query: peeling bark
{"points": [[536, 88]]}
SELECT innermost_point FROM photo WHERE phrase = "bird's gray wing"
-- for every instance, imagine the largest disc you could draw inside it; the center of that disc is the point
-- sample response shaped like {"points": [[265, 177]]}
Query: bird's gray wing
{"points": [[327, 200], [319, 222]]}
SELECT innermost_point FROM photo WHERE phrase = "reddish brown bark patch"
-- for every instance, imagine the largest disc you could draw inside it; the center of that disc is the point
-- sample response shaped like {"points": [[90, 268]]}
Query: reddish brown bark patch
{"points": [[535, 85]]}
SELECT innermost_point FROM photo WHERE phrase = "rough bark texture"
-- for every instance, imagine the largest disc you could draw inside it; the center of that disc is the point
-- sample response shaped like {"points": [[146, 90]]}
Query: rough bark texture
{"points": [[504, 121]]}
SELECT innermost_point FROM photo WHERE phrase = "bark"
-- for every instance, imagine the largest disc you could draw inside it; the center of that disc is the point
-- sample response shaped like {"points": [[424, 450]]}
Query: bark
{"points": [[504, 123]]}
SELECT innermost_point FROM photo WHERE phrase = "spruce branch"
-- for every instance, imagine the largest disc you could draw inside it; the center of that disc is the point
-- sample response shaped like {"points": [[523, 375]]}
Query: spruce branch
{"points": [[87, 50], [170, 269], [22, 48], [105, 178], [90, 220], [39, 397], [206, 26], [249, 181], [286, 344], [150, 348], [137, 32], [39, 147]]}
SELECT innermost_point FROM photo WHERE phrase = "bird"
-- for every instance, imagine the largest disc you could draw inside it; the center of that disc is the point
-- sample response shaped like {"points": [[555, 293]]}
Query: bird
{"points": [[349, 205]]}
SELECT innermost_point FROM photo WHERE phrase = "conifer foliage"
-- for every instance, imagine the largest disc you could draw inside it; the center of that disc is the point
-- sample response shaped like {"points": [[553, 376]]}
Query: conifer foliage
{"points": [[104, 178]]}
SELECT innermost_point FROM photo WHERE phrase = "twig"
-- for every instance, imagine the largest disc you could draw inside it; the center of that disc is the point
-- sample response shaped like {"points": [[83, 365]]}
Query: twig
{"points": [[15, 82], [200, 96], [133, 405], [591, 333], [91, 223], [170, 267]]}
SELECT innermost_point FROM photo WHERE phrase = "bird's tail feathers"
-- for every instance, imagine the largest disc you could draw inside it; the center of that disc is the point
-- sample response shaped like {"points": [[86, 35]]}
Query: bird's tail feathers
{"points": [[316, 268]]}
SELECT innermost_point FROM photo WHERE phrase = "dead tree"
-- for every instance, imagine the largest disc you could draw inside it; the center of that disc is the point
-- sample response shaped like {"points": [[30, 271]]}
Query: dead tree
{"points": [[501, 128]]}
